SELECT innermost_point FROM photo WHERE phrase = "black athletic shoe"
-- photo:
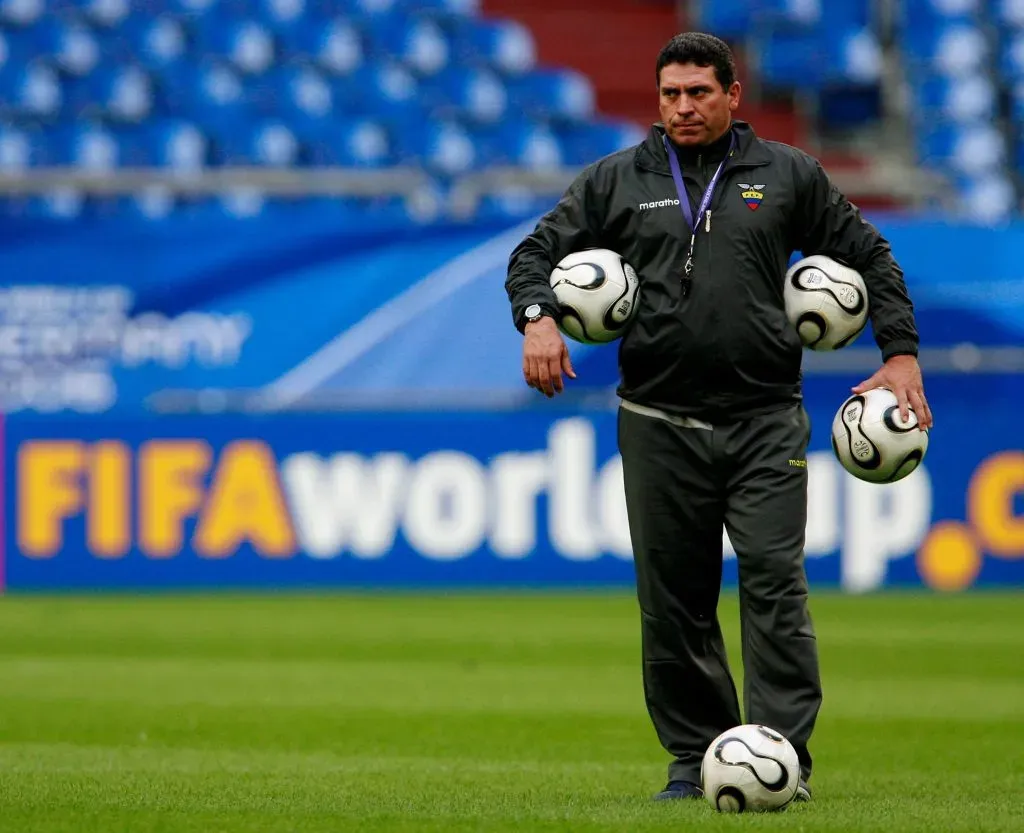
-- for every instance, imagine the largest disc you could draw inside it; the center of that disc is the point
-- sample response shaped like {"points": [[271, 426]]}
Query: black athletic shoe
{"points": [[679, 789], [803, 792]]}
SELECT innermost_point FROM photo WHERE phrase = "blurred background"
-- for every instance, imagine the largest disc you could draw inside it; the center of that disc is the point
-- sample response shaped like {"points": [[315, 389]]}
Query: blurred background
{"points": [[253, 329]]}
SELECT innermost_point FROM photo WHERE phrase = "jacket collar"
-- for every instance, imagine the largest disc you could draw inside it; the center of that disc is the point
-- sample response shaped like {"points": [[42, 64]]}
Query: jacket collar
{"points": [[750, 150]]}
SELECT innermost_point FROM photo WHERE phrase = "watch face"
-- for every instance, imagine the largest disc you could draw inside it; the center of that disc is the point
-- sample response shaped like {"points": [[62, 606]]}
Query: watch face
{"points": [[533, 311]]}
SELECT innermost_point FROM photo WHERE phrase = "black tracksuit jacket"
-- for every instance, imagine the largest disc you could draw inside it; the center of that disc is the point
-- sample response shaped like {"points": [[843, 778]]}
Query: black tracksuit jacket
{"points": [[725, 350]]}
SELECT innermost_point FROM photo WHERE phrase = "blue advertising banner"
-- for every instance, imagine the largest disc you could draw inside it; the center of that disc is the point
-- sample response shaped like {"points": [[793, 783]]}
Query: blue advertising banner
{"points": [[307, 302], [467, 498]]}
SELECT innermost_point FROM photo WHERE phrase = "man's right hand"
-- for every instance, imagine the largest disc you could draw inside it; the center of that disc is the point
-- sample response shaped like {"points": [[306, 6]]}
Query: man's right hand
{"points": [[545, 357]]}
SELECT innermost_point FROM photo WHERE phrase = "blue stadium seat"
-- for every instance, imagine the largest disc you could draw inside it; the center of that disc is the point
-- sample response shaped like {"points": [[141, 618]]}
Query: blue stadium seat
{"points": [[1017, 106], [21, 12], [950, 49], [971, 151], [476, 95], [355, 143], [963, 100], [90, 147], [247, 45], [270, 144], [1011, 56], [419, 43], [560, 95], [730, 19], [105, 13], [31, 90], [60, 204], [443, 148], [384, 89], [856, 58], [586, 143], [175, 145], [300, 95], [792, 58], [211, 94], [521, 143], [334, 45], [505, 46], [158, 42], [1009, 13], [72, 47], [441, 9], [989, 199], [123, 94], [18, 150]]}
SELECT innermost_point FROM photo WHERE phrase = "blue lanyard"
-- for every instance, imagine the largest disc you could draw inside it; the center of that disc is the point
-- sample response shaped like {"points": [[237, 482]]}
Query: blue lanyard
{"points": [[684, 200]]}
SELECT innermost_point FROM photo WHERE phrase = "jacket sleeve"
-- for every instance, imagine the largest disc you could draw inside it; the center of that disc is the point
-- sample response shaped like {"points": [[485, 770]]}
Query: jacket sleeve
{"points": [[573, 224], [833, 226]]}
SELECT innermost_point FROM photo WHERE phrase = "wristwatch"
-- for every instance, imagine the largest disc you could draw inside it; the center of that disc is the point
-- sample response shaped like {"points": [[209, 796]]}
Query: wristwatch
{"points": [[533, 313]]}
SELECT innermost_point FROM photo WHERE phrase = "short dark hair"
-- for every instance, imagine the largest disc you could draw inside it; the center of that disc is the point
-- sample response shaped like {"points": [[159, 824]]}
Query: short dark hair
{"points": [[700, 49]]}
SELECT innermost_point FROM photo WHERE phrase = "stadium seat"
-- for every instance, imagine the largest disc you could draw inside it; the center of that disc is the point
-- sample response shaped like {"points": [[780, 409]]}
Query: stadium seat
{"points": [[730, 19], [354, 143], [269, 144], [989, 199], [153, 43], [444, 148], [381, 88], [418, 43], [16, 149], [963, 100], [560, 95], [973, 151], [174, 145], [246, 45], [950, 49], [31, 90], [334, 45], [505, 46], [1011, 56], [586, 143], [21, 12], [1009, 13], [476, 95]]}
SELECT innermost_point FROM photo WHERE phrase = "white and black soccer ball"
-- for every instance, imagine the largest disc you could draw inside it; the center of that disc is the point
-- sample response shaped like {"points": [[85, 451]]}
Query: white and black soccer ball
{"points": [[750, 768], [597, 294], [826, 302], [872, 441]]}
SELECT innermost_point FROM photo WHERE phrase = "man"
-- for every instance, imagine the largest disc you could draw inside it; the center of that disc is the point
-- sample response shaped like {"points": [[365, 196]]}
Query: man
{"points": [[711, 414]]}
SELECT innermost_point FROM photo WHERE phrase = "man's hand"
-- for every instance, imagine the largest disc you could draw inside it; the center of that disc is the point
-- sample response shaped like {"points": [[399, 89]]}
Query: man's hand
{"points": [[545, 357], [902, 375]]}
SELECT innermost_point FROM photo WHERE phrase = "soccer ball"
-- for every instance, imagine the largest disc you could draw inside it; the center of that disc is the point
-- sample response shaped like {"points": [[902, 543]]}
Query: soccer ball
{"points": [[750, 767], [597, 293], [873, 442], [826, 302]]}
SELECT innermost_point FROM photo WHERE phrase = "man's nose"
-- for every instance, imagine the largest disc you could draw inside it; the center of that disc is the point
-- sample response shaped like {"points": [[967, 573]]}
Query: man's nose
{"points": [[684, 106]]}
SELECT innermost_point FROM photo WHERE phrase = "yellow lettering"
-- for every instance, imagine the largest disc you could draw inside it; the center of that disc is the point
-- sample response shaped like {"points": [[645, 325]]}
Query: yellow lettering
{"points": [[990, 499], [49, 491], [245, 504], [108, 527], [170, 490]]}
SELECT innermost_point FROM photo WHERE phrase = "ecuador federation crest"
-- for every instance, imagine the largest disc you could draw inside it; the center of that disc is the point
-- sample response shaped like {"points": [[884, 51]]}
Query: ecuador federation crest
{"points": [[752, 195]]}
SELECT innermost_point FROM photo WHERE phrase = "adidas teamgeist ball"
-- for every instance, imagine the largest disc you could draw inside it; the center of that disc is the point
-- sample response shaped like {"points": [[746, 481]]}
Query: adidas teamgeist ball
{"points": [[826, 302], [750, 767], [871, 440], [597, 294]]}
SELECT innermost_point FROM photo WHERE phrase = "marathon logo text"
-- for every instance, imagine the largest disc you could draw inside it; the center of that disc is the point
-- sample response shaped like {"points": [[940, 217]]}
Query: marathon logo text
{"points": [[657, 204]]}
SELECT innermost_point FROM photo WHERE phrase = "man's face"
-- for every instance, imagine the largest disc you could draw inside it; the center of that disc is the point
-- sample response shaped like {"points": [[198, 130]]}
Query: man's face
{"points": [[694, 108]]}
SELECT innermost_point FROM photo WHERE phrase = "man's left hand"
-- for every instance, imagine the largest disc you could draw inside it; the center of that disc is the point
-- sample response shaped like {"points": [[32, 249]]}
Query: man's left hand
{"points": [[902, 375]]}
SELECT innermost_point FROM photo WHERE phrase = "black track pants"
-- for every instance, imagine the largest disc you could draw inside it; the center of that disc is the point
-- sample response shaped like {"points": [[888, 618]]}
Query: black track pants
{"points": [[684, 483]]}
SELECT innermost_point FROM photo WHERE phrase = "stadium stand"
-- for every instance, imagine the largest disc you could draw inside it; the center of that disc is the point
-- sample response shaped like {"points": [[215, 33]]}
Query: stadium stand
{"points": [[453, 90]]}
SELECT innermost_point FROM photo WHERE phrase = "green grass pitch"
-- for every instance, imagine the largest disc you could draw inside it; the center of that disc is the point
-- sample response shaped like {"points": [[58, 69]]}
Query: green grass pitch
{"points": [[473, 713]]}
